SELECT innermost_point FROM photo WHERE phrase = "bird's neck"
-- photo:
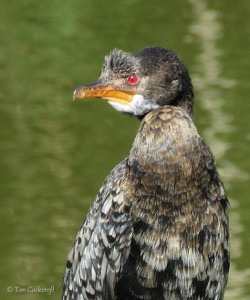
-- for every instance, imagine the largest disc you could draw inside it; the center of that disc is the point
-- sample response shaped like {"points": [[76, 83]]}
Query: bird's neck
{"points": [[185, 101]]}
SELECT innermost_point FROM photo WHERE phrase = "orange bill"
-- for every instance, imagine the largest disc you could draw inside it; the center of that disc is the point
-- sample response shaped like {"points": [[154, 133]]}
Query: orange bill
{"points": [[106, 92]]}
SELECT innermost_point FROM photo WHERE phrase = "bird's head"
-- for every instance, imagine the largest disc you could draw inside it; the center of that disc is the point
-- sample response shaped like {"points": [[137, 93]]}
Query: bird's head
{"points": [[137, 83]]}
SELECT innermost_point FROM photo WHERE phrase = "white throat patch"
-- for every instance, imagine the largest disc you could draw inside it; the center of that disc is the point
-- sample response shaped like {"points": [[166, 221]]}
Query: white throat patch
{"points": [[138, 106]]}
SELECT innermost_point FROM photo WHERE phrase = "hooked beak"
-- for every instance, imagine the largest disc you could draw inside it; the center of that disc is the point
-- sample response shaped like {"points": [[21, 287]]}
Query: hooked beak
{"points": [[107, 92]]}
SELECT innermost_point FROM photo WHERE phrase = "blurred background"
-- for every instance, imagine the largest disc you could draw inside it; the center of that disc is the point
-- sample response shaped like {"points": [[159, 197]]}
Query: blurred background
{"points": [[55, 154]]}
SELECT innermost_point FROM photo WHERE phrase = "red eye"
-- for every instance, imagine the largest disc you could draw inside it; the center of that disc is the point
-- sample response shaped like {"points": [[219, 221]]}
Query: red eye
{"points": [[133, 79]]}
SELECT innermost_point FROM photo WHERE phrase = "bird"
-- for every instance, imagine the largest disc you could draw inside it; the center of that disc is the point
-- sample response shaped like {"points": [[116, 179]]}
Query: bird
{"points": [[158, 227]]}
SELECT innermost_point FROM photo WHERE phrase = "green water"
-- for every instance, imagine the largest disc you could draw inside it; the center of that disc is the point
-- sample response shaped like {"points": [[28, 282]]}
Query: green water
{"points": [[54, 154]]}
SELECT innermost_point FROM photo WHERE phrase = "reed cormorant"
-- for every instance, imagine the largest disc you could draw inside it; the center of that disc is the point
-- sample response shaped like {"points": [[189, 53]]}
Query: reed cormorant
{"points": [[158, 227]]}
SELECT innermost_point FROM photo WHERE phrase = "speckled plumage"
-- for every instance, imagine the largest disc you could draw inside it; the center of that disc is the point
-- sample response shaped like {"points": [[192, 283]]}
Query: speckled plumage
{"points": [[158, 228]]}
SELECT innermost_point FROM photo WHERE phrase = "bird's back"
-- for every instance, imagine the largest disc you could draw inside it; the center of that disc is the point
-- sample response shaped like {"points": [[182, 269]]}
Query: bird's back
{"points": [[180, 245], [158, 228]]}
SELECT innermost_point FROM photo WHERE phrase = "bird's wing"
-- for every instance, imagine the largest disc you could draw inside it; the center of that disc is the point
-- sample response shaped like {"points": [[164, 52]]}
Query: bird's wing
{"points": [[102, 245]]}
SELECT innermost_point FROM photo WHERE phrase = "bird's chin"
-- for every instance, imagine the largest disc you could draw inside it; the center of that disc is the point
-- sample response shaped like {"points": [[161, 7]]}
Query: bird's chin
{"points": [[125, 108], [139, 106]]}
